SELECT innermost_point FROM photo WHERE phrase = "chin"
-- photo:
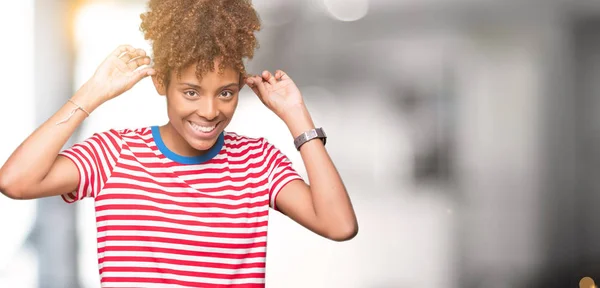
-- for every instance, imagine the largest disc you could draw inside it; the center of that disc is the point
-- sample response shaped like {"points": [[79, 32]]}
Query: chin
{"points": [[202, 144]]}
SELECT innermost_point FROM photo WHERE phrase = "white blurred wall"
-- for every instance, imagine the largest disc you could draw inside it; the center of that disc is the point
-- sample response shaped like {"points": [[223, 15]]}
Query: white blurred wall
{"points": [[486, 225], [17, 260]]}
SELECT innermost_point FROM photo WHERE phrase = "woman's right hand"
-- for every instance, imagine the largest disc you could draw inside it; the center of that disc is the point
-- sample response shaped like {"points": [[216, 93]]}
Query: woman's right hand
{"points": [[119, 72], [33, 170]]}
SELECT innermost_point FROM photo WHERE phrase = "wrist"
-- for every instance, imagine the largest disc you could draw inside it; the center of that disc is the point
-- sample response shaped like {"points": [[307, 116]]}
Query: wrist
{"points": [[298, 120], [88, 97]]}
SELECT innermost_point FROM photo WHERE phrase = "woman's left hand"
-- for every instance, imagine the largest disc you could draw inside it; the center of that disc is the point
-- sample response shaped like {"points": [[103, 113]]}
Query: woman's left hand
{"points": [[278, 92]]}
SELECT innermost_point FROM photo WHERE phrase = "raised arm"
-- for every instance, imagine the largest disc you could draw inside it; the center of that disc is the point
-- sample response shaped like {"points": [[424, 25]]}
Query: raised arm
{"points": [[34, 169], [323, 207]]}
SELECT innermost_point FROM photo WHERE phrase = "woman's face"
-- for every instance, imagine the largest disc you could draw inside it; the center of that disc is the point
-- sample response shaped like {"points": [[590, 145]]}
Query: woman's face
{"points": [[200, 110]]}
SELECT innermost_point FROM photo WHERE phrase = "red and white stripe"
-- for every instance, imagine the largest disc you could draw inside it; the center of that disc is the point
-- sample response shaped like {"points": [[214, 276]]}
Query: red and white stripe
{"points": [[165, 224]]}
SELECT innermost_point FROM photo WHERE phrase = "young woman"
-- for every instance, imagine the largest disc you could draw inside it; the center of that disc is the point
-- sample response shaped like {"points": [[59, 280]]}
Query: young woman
{"points": [[185, 204]]}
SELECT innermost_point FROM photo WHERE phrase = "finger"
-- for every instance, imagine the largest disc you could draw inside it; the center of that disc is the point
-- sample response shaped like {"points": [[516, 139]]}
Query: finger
{"points": [[121, 65], [141, 74], [269, 78], [253, 84], [140, 52], [261, 86], [137, 62], [122, 49], [280, 75], [250, 82], [127, 56]]}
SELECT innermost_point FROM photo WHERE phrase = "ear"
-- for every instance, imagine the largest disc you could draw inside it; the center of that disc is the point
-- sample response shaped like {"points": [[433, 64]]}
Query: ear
{"points": [[160, 87], [242, 81]]}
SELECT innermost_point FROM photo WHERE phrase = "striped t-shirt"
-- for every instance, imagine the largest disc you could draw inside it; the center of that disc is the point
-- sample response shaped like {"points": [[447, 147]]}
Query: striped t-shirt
{"points": [[165, 220]]}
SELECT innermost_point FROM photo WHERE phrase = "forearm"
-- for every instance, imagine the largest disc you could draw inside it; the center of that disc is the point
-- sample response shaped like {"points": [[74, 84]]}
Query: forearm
{"points": [[32, 160], [331, 203]]}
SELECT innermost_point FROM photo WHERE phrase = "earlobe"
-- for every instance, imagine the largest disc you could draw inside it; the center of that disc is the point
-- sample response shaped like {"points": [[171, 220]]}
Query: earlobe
{"points": [[160, 87]]}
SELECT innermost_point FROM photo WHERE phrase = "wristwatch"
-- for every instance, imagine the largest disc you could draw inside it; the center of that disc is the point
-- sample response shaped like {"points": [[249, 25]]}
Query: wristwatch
{"points": [[310, 135]]}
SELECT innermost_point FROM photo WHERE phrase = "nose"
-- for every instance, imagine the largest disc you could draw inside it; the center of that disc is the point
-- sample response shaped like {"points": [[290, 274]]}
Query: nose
{"points": [[208, 108]]}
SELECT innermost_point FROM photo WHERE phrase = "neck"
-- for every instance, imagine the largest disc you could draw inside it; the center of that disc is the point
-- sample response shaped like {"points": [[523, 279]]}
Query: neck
{"points": [[173, 140]]}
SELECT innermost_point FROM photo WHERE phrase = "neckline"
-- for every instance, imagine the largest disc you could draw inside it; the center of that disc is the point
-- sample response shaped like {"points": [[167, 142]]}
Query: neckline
{"points": [[210, 154]]}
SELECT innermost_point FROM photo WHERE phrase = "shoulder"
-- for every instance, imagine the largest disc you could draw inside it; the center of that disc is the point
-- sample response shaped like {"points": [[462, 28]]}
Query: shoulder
{"points": [[240, 144], [134, 132], [116, 137], [123, 132], [235, 140], [126, 135]]}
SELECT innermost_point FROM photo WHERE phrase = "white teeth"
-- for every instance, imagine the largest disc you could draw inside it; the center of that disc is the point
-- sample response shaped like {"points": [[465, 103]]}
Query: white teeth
{"points": [[204, 129]]}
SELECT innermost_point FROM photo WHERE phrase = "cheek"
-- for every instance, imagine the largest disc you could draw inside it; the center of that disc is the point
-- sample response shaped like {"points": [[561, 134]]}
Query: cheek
{"points": [[229, 108], [177, 106]]}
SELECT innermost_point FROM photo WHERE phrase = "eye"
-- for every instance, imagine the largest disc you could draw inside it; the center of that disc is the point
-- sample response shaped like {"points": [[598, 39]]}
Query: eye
{"points": [[226, 94], [190, 93]]}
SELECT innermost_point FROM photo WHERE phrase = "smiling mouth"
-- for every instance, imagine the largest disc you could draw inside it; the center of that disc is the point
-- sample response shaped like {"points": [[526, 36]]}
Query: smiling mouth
{"points": [[203, 128]]}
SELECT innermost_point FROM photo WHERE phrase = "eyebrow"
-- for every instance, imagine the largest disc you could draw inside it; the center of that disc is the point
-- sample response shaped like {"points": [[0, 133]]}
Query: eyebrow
{"points": [[220, 88]]}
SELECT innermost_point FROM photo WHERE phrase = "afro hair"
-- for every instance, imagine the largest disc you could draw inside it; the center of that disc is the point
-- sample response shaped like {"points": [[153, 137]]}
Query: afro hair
{"points": [[186, 32]]}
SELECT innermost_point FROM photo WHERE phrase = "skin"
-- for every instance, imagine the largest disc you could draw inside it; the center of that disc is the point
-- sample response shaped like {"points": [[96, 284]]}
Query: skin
{"points": [[34, 170], [210, 102]]}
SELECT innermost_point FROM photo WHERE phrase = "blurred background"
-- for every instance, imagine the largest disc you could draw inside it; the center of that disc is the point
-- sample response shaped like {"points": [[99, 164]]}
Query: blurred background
{"points": [[467, 133]]}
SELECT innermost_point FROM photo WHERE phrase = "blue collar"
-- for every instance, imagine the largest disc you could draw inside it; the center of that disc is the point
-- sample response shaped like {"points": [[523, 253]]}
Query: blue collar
{"points": [[211, 153]]}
